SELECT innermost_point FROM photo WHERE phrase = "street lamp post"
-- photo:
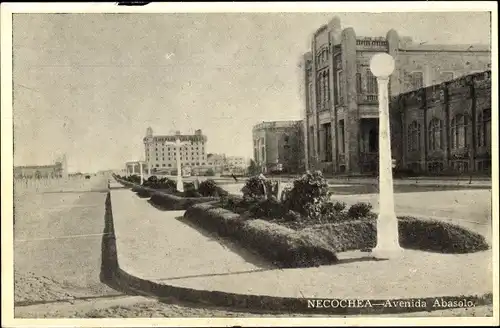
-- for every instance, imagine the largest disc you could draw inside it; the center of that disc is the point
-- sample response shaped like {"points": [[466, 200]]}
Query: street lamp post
{"points": [[382, 66], [178, 144], [142, 172]]}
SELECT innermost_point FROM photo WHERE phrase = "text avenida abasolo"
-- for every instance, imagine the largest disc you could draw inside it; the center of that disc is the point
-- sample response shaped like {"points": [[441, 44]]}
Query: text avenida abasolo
{"points": [[415, 303]]}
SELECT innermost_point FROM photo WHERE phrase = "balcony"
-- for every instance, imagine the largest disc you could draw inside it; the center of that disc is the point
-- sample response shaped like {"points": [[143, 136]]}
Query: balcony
{"points": [[368, 99]]}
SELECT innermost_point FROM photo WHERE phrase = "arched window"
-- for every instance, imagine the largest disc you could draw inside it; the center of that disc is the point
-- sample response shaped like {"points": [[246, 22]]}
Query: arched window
{"points": [[319, 90], [371, 83], [459, 129], [479, 130], [487, 127], [483, 128], [325, 87], [435, 134], [328, 92], [413, 137]]}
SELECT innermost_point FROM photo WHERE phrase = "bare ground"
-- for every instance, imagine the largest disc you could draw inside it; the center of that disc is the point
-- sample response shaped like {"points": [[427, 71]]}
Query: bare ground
{"points": [[139, 307]]}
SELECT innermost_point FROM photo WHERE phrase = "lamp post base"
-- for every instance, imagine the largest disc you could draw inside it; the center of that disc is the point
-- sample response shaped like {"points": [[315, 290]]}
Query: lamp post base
{"points": [[387, 237], [387, 253], [180, 185]]}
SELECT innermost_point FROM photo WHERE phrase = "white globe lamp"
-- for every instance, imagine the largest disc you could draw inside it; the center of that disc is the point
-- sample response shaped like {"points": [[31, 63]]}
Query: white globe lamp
{"points": [[382, 65]]}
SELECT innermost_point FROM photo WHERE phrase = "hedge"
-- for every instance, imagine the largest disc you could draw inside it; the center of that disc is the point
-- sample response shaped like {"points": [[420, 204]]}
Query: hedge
{"points": [[169, 202], [282, 246], [425, 235]]}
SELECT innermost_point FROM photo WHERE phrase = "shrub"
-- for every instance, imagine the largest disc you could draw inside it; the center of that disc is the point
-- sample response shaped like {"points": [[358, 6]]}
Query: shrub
{"points": [[268, 209], [339, 206], [307, 193], [234, 203], [214, 219], [169, 202], [438, 236], [360, 210], [210, 173], [346, 236], [166, 184], [425, 235], [190, 190], [284, 247], [208, 188], [254, 187], [292, 216]]}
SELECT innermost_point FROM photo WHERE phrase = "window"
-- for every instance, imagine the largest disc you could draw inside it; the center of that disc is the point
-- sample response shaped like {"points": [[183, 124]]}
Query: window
{"points": [[327, 142], [319, 90], [413, 137], [342, 136], [339, 85], [483, 128], [169, 165], [371, 83], [310, 95], [435, 134], [416, 80], [358, 83], [446, 76], [163, 165], [459, 129]]}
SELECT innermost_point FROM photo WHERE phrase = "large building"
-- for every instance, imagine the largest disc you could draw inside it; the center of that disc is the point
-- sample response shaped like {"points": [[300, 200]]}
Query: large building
{"points": [[445, 128], [341, 98], [39, 171], [161, 156], [278, 146]]}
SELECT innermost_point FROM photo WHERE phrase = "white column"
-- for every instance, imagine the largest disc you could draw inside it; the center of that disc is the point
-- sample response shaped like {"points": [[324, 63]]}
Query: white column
{"points": [[142, 172], [133, 168], [382, 66], [180, 185]]}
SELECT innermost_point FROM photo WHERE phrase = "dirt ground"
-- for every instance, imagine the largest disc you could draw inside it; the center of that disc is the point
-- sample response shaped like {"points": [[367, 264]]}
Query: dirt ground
{"points": [[139, 307]]}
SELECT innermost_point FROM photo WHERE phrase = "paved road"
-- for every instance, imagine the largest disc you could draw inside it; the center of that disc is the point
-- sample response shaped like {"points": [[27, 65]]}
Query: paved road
{"points": [[57, 244]]}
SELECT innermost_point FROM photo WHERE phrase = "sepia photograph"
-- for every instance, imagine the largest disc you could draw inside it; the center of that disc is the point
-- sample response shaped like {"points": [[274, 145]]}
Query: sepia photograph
{"points": [[239, 164]]}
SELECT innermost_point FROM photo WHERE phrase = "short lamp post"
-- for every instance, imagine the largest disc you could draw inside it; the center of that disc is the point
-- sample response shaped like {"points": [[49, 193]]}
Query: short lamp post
{"points": [[382, 66], [178, 144]]}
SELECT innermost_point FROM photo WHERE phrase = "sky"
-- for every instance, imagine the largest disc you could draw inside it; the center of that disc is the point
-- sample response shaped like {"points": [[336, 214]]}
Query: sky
{"points": [[89, 85]]}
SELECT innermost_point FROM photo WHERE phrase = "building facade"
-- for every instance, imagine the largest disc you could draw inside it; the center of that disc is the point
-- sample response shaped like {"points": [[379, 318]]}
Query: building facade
{"points": [[278, 146], [341, 98], [236, 165], [40, 171], [216, 162], [162, 157], [445, 127]]}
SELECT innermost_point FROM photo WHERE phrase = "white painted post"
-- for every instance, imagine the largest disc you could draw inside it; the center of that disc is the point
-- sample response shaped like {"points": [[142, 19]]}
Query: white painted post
{"points": [[382, 66], [178, 144], [141, 170]]}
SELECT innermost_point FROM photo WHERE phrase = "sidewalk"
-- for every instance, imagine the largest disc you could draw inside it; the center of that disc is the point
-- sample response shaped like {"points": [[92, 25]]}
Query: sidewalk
{"points": [[153, 245]]}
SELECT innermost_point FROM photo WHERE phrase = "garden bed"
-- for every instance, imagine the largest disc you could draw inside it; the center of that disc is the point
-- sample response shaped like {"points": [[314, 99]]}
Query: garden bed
{"points": [[306, 245], [280, 245], [164, 195], [418, 234], [171, 202]]}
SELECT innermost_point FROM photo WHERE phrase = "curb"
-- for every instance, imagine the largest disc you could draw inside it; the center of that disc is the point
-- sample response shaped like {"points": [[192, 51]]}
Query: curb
{"points": [[264, 303]]}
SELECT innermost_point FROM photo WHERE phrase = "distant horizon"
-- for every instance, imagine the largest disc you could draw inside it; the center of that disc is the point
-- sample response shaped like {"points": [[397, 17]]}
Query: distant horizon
{"points": [[89, 85]]}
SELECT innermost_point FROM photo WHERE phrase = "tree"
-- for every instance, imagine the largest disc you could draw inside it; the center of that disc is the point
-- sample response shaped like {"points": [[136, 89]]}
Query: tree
{"points": [[253, 169]]}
